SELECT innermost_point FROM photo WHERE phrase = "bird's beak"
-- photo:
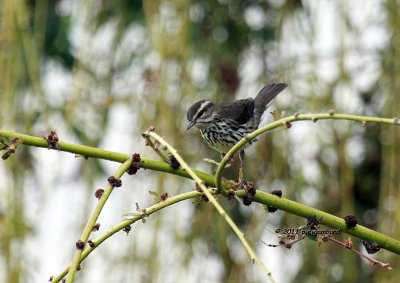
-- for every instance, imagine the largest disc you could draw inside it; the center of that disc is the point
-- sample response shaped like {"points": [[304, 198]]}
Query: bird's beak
{"points": [[191, 124]]}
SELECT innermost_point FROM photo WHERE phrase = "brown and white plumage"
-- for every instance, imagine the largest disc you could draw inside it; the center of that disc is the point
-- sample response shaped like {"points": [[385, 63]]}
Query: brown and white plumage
{"points": [[223, 125]]}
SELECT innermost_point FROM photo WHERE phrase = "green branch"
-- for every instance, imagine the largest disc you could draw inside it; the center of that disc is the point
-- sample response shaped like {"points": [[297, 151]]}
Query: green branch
{"points": [[331, 221], [286, 122], [327, 219]]}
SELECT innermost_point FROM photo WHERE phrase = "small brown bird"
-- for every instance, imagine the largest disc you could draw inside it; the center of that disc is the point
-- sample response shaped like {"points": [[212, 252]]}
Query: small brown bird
{"points": [[223, 125]]}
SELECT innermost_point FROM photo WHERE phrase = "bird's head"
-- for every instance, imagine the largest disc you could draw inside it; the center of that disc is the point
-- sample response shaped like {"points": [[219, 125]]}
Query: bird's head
{"points": [[200, 113]]}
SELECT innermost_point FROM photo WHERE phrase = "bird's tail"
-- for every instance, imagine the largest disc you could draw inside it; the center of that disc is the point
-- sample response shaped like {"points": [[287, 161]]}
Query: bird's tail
{"points": [[266, 94]]}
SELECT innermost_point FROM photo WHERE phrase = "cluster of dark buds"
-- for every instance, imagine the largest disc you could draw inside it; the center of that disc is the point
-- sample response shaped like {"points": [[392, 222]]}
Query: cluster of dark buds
{"points": [[115, 182], [313, 222], [370, 247], [173, 162], [52, 140], [351, 221], [80, 245], [127, 229], [135, 166], [251, 191]]}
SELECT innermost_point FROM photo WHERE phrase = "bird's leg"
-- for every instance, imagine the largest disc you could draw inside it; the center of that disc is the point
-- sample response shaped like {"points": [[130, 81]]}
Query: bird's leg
{"points": [[231, 159], [241, 158]]}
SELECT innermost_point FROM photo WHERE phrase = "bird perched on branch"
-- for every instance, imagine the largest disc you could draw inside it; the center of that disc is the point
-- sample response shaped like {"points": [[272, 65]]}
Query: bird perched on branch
{"points": [[223, 125]]}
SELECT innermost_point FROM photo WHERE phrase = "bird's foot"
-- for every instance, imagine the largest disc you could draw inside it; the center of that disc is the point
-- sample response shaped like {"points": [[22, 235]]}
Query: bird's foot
{"points": [[241, 184]]}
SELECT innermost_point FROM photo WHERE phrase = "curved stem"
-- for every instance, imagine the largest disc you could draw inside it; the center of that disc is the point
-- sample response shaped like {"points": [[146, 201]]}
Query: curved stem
{"points": [[150, 210], [286, 122]]}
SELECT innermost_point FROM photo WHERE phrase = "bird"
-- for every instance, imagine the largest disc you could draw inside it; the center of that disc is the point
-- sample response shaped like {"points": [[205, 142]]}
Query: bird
{"points": [[223, 125]]}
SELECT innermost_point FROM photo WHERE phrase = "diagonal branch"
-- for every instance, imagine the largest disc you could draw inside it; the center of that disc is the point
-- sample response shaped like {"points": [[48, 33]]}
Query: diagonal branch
{"points": [[216, 204], [92, 221]]}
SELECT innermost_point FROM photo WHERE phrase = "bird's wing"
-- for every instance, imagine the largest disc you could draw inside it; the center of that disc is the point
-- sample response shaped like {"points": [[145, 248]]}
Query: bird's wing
{"points": [[240, 111]]}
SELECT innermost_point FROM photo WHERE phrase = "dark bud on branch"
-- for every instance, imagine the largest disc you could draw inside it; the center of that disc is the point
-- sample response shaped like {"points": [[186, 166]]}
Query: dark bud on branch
{"points": [[164, 196], [173, 162], [115, 182], [99, 193], [351, 221], [127, 229], [313, 222], [251, 191], [96, 227], [80, 245], [135, 166], [52, 140], [371, 247]]}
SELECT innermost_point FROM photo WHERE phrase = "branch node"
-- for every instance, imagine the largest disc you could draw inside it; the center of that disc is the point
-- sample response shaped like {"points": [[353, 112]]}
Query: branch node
{"points": [[99, 193], [96, 227], [80, 245], [351, 221], [52, 140], [173, 162], [10, 145], [114, 182], [127, 229], [135, 165]]}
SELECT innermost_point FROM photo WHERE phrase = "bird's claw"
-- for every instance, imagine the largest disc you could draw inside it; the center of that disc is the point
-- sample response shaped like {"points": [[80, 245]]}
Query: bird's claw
{"points": [[241, 184]]}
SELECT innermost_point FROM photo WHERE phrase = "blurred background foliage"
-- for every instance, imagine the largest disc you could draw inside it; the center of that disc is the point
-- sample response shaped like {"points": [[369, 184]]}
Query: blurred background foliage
{"points": [[102, 72]]}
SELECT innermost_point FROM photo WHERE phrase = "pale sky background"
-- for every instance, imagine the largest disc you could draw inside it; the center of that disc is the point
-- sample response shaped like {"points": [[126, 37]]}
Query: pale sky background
{"points": [[55, 201]]}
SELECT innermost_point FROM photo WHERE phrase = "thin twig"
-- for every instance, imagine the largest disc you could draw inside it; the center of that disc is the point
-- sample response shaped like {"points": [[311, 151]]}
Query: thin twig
{"points": [[156, 148], [348, 245]]}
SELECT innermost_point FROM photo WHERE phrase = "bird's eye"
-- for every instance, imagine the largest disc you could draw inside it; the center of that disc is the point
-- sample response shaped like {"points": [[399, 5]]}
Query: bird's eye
{"points": [[201, 113]]}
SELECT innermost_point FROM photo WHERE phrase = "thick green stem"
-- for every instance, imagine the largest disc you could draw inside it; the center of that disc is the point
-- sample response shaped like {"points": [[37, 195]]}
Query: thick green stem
{"points": [[366, 234]]}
